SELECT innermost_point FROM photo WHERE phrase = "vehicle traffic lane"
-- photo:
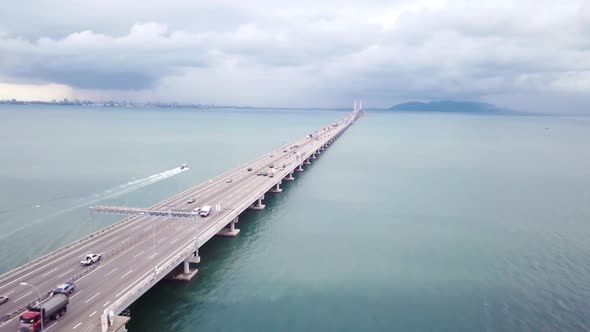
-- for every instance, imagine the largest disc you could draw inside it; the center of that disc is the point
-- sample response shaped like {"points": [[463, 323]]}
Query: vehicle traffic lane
{"points": [[91, 286], [123, 277]]}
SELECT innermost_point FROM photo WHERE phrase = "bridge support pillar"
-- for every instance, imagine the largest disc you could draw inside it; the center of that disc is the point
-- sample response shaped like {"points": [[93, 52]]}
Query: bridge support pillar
{"points": [[186, 274], [186, 268], [313, 156], [258, 204], [306, 162], [289, 177], [276, 189], [194, 257], [232, 231], [299, 168]]}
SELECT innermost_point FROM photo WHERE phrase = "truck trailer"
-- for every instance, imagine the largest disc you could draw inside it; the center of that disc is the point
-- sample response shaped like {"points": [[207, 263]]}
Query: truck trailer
{"points": [[53, 307]]}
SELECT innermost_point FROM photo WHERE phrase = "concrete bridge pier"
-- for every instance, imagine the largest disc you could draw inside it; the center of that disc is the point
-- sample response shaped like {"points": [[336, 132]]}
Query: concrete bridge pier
{"points": [[232, 231], [258, 204], [289, 177], [313, 156], [186, 266], [194, 257], [277, 188], [187, 273], [299, 168], [306, 162]]}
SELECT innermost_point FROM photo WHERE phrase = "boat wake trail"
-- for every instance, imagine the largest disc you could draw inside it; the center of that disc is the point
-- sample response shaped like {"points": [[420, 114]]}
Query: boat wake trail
{"points": [[133, 186], [110, 193]]}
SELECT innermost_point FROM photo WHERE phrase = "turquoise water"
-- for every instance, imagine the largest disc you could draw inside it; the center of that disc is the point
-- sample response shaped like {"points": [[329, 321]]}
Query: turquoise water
{"points": [[410, 222]]}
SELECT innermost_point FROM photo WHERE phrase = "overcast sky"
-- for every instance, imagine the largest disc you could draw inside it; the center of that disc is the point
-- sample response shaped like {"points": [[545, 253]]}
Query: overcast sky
{"points": [[526, 55]]}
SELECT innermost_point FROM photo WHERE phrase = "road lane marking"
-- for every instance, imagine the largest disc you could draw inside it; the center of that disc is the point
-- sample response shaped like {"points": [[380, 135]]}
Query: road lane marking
{"points": [[113, 270], [138, 254], [113, 239], [22, 297], [12, 291], [116, 257], [50, 272], [133, 283], [152, 256], [75, 327], [52, 325], [89, 273], [126, 274], [77, 293], [93, 296], [174, 241], [150, 271], [104, 305], [92, 314], [63, 274]]}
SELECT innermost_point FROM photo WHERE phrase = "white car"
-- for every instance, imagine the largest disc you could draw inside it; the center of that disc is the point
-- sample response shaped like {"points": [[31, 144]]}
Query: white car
{"points": [[90, 259], [205, 210]]}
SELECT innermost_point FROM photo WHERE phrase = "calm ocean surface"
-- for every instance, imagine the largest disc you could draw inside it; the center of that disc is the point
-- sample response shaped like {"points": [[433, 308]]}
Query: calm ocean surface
{"points": [[410, 222]]}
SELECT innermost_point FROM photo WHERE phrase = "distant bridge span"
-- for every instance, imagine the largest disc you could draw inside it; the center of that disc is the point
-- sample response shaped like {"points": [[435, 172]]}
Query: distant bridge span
{"points": [[156, 242]]}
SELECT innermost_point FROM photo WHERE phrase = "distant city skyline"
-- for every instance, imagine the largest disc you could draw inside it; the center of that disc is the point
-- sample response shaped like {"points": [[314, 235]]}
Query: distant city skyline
{"points": [[300, 54], [126, 103]]}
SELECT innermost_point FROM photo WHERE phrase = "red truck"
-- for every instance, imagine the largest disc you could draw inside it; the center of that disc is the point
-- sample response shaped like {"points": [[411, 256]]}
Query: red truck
{"points": [[53, 307]]}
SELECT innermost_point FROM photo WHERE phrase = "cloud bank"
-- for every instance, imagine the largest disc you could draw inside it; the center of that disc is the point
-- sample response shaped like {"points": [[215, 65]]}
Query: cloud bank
{"points": [[528, 55]]}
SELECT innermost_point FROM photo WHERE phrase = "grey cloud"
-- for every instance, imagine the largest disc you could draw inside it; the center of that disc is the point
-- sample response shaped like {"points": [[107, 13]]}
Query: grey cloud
{"points": [[303, 53], [87, 59]]}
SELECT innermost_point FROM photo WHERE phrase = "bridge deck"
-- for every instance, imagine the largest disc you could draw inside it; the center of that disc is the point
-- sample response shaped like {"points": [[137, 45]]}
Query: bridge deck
{"points": [[140, 250]]}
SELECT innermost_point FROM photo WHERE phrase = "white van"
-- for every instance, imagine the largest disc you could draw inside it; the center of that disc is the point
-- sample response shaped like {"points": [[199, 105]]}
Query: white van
{"points": [[205, 210]]}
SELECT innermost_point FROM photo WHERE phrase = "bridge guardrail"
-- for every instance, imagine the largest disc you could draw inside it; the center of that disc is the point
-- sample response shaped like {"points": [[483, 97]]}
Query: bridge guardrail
{"points": [[144, 285]]}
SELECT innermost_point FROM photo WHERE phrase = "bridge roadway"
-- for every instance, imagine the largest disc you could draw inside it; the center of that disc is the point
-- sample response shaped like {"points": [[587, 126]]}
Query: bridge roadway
{"points": [[138, 251]]}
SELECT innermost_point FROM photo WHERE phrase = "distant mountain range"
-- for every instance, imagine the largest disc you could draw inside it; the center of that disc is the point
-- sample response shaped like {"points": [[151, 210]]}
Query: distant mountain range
{"points": [[449, 106]]}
